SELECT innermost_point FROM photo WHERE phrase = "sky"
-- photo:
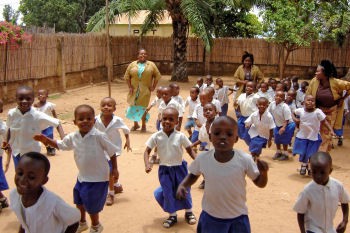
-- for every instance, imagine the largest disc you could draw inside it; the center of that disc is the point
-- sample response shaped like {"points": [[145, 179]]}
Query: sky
{"points": [[13, 3]]}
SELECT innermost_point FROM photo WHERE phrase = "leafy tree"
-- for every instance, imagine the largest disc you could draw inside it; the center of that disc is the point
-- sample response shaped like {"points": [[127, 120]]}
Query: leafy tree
{"points": [[64, 15], [184, 13], [10, 15]]}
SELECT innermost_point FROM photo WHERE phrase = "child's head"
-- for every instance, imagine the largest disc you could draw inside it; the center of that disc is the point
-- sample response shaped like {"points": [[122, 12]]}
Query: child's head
{"points": [[175, 89], [170, 118], [209, 80], [291, 95], [224, 133], [279, 97], [159, 92], [84, 118], [219, 82], [287, 84], [309, 103], [210, 92], [272, 83], [295, 86], [108, 106], [200, 81], [24, 98], [250, 87], [304, 86], [321, 167], [262, 104], [295, 79], [263, 87], [166, 94], [42, 95], [280, 87], [203, 98], [209, 111], [31, 174], [194, 92]]}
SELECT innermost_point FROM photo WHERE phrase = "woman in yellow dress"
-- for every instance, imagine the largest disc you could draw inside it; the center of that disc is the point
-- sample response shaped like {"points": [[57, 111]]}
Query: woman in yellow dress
{"points": [[142, 77]]}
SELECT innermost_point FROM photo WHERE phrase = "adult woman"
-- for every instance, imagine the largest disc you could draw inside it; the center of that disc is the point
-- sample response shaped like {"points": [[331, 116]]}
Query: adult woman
{"points": [[142, 77], [247, 72], [328, 92]]}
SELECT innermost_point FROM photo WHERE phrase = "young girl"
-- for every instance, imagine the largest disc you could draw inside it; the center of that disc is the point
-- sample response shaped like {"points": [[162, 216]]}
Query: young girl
{"points": [[49, 108], [263, 92], [308, 138], [110, 124], [222, 93], [156, 101], [191, 102], [172, 168]]}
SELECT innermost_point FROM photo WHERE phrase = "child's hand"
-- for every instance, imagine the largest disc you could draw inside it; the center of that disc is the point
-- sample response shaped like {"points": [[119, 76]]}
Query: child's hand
{"points": [[148, 168], [269, 143], [178, 128], [262, 165], [5, 146], [40, 138], [127, 146], [281, 131], [341, 227], [181, 192], [115, 173]]}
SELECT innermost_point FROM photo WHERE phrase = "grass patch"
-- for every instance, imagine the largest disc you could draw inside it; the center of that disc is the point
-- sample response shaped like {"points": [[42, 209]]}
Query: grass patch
{"points": [[55, 96]]}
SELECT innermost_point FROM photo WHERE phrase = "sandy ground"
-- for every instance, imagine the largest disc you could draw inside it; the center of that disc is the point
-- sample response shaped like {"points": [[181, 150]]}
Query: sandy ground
{"points": [[135, 210]]}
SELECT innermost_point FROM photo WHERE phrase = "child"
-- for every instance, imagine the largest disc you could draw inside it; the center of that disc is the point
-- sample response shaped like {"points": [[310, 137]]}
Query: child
{"points": [[49, 108], [156, 103], [209, 81], [263, 92], [89, 145], [301, 94], [110, 124], [224, 168], [280, 87], [172, 168], [200, 84], [198, 116], [246, 106], [317, 204], [211, 93], [3, 182], [38, 209], [23, 122], [285, 126], [308, 138], [290, 100], [191, 102], [222, 93], [168, 101], [260, 124]]}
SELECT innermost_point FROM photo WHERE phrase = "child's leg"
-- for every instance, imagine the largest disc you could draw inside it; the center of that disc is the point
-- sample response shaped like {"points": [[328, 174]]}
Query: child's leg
{"points": [[95, 221], [110, 196], [82, 213], [284, 155], [278, 153]]}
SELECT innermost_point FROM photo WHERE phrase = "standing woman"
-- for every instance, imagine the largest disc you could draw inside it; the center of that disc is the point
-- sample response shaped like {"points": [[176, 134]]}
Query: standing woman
{"points": [[247, 72], [142, 77], [328, 92]]}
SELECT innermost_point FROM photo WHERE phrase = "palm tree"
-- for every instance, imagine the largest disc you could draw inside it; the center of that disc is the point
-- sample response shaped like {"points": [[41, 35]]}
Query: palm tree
{"points": [[197, 13]]}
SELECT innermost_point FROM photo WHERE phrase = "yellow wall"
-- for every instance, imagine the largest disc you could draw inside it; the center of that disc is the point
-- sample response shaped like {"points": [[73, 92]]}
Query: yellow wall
{"points": [[122, 30]]}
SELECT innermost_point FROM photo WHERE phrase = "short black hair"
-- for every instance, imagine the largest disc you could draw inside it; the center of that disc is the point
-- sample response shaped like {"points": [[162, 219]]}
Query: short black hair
{"points": [[329, 69], [83, 106], [109, 98], [172, 109], [197, 89], [321, 156], [228, 118], [38, 157], [27, 88], [245, 55]]}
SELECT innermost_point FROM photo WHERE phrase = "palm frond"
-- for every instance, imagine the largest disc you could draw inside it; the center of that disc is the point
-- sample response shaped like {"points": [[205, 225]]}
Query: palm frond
{"points": [[155, 15]]}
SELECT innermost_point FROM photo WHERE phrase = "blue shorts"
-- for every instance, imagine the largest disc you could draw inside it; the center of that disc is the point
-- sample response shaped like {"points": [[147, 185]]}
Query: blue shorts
{"points": [[190, 123], [210, 224], [158, 122], [16, 160], [3, 182], [224, 109], [48, 132], [91, 195], [256, 144], [305, 148], [286, 137], [195, 135]]}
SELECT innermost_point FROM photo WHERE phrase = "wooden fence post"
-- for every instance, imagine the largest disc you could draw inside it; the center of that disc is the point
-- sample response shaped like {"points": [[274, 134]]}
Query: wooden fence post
{"points": [[61, 70]]}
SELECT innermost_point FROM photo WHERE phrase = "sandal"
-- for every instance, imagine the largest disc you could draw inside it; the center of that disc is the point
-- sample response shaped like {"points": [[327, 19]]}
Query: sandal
{"points": [[303, 169], [169, 222], [190, 218], [134, 128]]}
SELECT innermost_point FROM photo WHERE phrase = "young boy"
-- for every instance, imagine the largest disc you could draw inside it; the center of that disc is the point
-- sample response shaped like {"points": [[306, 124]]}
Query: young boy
{"points": [[191, 102], [210, 91], [209, 81], [222, 94], [172, 168], [200, 84], [290, 100], [38, 209], [261, 125], [156, 102], [23, 122], [49, 108], [198, 115], [89, 145], [263, 92], [301, 94], [224, 168], [110, 124], [175, 91], [168, 101], [317, 204], [3, 182]]}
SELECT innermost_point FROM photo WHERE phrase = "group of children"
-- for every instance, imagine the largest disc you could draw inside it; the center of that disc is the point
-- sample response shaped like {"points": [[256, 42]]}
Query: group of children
{"points": [[98, 142]]}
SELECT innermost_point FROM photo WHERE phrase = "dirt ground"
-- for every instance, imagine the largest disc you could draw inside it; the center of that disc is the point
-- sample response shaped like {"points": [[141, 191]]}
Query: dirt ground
{"points": [[135, 210]]}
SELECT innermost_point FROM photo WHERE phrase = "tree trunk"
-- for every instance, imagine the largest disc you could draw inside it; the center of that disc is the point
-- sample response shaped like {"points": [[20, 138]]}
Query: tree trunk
{"points": [[180, 30], [283, 58]]}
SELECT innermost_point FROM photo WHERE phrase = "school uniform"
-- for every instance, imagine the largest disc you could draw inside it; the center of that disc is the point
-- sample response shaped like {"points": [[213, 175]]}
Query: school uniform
{"points": [[180, 101], [266, 95], [222, 96], [47, 108], [247, 105], [299, 98], [197, 115], [3, 182], [156, 101], [191, 107], [172, 169], [217, 105]]}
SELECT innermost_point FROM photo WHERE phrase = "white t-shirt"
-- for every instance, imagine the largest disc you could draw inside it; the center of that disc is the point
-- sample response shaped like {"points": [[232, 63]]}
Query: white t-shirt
{"points": [[247, 104], [89, 154], [191, 105], [292, 106], [280, 113], [203, 136], [201, 88], [225, 184], [260, 127], [156, 101], [267, 95], [222, 95], [309, 127], [24, 126], [173, 104], [180, 101], [198, 114], [3, 131], [47, 108], [217, 105], [299, 98], [49, 214], [170, 149], [112, 130], [319, 203]]}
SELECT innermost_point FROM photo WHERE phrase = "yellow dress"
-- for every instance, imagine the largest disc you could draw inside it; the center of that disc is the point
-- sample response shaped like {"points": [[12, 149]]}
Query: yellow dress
{"points": [[141, 94], [257, 77]]}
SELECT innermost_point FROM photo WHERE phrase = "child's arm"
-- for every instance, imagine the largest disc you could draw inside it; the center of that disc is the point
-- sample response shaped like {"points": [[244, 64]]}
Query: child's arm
{"points": [[148, 166], [283, 128], [115, 167], [45, 140], [189, 180], [7, 148], [301, 222], [72, 228], [178, 127], [59, 127], [261, 180], [269, 142], [127, 143], [191, 152], [342, 226], [324, 121], [196, 143], [295, 119], [198, 123], [21, 230]]}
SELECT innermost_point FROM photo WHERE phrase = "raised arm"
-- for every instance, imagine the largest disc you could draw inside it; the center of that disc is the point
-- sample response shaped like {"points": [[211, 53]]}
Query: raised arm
{"points": [[45, 140]]}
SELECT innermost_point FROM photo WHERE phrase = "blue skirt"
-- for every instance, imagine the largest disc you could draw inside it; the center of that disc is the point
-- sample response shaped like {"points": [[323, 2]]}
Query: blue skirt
{"points": [[242, 130], [305, 148], [286, 137], [48, 132], [3, 182], [169, 179], [256, 144]]}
